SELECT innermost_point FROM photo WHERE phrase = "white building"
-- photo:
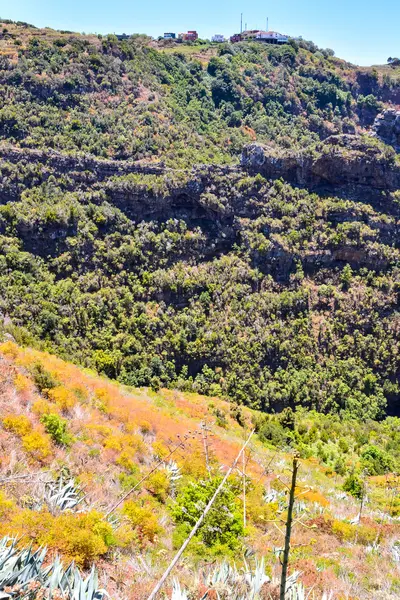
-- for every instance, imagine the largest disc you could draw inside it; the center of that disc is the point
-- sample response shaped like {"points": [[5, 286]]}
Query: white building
{"points": [[272, 37], [218, 38]]}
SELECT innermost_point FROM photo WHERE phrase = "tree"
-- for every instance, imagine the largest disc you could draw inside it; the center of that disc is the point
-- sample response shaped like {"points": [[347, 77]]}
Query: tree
{"points": [[346, 277], [224, 523], [393, 61], [354, 486]]}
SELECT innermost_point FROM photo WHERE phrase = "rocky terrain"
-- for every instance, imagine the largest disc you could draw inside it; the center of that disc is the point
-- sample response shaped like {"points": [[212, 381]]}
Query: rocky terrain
{"points": [[387, 128]]}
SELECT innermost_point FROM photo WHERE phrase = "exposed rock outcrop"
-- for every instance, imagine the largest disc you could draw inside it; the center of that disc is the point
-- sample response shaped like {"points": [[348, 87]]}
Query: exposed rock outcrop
{"points": [[62, 163], [348, 164], [387, 127], [351, 166]]}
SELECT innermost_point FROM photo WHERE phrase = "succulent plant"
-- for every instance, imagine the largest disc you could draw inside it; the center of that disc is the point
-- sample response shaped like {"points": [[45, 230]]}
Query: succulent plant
{"points": [[226, 581], [22, 572], [174, 475], [61, 495], [177, 592], [19, 567]]}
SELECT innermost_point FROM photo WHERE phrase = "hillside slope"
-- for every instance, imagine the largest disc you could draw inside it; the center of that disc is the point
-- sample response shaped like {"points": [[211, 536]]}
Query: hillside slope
{"points": [[143, 235], [58, 421], [216, 280], [196, 242], [137, 99]]}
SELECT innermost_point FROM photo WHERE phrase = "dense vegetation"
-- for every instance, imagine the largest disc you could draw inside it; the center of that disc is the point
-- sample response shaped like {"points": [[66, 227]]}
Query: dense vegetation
{"points": [[128, 99], [145, 233], [207, 280], [244, 291]]}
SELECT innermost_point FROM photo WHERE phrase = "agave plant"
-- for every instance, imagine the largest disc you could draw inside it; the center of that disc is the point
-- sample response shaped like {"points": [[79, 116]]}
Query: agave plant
{"points": [[225, 581], [295, 591], [396, 551], [79, 588], [174, 475], [22, 569], [18, 568], [257, 578], [275, 496], [229, 582], [177, 592], [61, 495]]}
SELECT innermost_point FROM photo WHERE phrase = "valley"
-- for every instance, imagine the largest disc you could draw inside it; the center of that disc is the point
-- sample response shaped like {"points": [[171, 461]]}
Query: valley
{"points": [[199, 245]]}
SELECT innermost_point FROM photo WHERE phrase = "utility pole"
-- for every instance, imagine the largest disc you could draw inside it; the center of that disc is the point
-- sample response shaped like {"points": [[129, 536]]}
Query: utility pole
{"points": [[244, 489], [204, 434], [289, 521]]}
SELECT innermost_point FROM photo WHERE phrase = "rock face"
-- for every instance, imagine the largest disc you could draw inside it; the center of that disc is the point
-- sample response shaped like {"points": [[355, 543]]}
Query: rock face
{"points": [[62, 163], [347, 165], [387, 128]]}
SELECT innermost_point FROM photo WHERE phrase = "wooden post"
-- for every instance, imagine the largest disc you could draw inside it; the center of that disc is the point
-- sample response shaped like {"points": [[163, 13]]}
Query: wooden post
{"points": [[198, 523], [362, 500], [204, 430], [289, 521], [244, 489]]}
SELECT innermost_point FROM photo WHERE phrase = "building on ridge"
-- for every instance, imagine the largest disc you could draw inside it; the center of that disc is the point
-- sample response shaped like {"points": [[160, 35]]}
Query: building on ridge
{"points": [[190, 36], [267, 37], [236, 37]]}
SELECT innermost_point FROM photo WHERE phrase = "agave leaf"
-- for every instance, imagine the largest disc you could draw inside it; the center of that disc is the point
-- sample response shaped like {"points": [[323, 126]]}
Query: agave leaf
{"points": [[21, 567], [91, 583]]}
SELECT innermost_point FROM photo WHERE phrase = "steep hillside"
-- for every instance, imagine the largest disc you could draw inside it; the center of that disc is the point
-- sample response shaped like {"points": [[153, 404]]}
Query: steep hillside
{"points": [[189, 104], [215, 280], [197, 242], [143, 235], [61, 425]]}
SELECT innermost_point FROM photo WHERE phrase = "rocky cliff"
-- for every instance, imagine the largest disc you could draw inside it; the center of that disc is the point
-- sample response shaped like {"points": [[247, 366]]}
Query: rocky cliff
{"points": [[345, 164], [342, 164], [387, 128]]}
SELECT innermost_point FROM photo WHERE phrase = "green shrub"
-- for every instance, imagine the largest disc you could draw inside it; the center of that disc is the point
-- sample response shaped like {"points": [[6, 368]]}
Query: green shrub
{"points": [[223, 525], [43, 378], [375, 461], [354, 486], [56, 427]]}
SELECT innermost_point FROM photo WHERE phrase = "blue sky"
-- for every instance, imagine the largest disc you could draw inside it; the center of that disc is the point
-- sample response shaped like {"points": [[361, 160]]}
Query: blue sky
{"points": [[362, 31]]}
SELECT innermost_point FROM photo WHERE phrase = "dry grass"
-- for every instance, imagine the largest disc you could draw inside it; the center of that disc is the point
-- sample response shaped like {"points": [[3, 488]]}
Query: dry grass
{"points": [[114, 427]]}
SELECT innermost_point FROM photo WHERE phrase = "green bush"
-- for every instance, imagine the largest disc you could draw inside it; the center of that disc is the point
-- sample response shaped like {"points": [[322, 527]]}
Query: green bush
{"points": [[375, 461], [354, 486], [43, 379], [223, 525], [56, 427]]}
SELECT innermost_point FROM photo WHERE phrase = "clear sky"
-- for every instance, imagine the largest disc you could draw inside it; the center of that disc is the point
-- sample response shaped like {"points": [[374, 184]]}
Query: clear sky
{"points": [[362, 31]]}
